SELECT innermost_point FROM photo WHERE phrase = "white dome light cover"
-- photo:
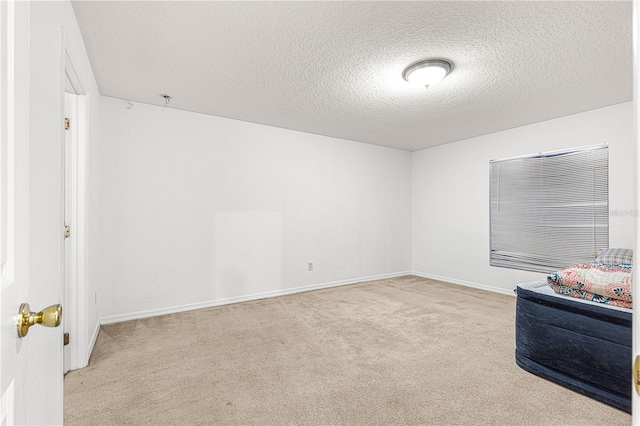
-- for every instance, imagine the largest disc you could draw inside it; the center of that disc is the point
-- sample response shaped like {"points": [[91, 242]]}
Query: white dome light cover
{"points": [[428, 72]]}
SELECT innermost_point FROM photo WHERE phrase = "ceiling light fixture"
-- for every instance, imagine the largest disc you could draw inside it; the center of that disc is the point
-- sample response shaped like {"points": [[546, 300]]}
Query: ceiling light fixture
{"points": [[428, 72]]}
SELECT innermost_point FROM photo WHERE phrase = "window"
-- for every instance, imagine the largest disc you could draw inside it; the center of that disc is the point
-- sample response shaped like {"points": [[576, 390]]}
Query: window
{"points": [[550, 210]]}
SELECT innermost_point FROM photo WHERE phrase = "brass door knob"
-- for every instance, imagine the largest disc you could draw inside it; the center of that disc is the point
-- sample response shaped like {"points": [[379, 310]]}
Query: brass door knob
{"points": [[49, 317]]}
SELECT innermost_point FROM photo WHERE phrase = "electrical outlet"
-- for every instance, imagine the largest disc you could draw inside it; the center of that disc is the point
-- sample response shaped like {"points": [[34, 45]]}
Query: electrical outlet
{"points": [[310, 266]]}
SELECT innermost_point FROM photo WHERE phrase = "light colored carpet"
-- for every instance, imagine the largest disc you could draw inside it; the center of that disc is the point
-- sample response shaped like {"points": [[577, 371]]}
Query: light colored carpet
{"points": [[400, 351]]}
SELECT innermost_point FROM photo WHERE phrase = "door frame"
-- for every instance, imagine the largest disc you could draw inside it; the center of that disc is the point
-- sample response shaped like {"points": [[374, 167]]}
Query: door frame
{"points": [[76, 354]]}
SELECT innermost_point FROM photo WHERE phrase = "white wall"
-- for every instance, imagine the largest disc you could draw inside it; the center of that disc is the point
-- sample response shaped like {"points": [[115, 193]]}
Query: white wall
{"points": [[50, 23], [451, 193], [199, 210]]}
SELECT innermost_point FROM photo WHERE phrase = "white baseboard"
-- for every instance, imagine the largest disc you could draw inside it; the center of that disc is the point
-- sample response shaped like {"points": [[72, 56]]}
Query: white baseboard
{"points": [[218, 302], [465, 283], [92, 342]]}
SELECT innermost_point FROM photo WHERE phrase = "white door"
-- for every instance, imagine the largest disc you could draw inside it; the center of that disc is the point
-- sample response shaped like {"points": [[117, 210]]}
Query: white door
{"points": [[635, 398], [14, 211], [635, 405], [30, 367]]}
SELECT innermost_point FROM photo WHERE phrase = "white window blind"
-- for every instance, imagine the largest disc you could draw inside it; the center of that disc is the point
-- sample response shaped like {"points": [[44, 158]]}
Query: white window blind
{"points": [[551, 210]]}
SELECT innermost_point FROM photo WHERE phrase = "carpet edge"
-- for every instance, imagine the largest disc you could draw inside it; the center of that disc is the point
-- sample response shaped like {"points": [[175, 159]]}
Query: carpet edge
{"points": [[230, 300], [464, 283]]}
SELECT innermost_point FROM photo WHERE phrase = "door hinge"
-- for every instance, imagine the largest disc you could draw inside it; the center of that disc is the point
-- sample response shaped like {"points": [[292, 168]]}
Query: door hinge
{"points": [[67, 123], [67, 231], [66, 339]]}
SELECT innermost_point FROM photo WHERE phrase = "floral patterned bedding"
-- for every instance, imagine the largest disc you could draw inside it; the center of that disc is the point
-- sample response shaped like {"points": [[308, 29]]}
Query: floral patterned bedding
{"points": [[603, 283]]}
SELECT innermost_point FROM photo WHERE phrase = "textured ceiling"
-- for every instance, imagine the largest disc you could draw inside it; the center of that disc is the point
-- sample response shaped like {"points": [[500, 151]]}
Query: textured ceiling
{"points": [[335, 68]]}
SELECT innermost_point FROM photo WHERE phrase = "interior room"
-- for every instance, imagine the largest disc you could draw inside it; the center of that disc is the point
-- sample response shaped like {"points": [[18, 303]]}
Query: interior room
{"points": [[266, 221]]}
